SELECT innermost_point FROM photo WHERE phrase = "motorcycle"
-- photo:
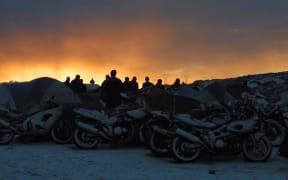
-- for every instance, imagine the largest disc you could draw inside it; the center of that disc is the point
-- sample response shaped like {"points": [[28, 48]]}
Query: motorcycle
{"points": [[159, 127], [94, 127], [228, 138], [163, 125], [273, 120], [44, 119]]}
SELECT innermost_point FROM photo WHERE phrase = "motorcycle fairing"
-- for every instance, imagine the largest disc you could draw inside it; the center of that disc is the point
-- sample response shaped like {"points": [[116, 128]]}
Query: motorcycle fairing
{"points": [[91, 114], [186, 118], [241, 126], [38, 123]]}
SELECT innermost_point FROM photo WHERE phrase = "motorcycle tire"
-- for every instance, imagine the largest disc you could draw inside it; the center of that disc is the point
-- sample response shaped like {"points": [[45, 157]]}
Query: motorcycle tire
{"points": [[129, 137], [275, 132], [256, 150], [185, 154], [84, 139], [144, 134], [159, 144], [62, 133], [6, 136]]}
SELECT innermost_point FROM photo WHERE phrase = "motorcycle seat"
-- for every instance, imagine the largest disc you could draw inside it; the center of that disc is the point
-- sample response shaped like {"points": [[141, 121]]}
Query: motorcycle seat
{"points": [[136, 113], [241, 126], [109, 121], [92, 114], [162, 114]]}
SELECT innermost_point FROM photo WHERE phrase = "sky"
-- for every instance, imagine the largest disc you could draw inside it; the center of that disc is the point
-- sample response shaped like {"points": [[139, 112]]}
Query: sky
{"points": [[167, 39]]}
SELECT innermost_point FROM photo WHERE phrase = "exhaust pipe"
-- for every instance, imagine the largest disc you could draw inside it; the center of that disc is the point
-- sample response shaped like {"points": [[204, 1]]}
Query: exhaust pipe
{"points": [[87, 127], [159, 130], [188, 136]]}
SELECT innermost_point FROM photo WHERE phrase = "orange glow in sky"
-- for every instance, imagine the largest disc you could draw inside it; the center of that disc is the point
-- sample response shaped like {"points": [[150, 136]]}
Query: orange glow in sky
{"points": [[144, 49]]}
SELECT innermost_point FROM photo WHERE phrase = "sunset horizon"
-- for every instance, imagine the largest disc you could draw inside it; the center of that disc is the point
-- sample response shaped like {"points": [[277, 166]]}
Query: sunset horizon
{"points": [[191, 40]]}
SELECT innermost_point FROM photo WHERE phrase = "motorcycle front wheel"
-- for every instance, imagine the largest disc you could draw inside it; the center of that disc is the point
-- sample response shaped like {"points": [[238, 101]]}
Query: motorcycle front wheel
{"points": [[6, 136], [62, 132], [256, 149], [184, 150], [84, 139], [127, 138], [274, 131], [144, 134], [160, 144]]}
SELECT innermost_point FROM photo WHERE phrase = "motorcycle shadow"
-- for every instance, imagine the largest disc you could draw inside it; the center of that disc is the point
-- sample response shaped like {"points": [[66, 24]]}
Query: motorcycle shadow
{"points": [[211, 159], [108, 147], [204, 158], [29, 139]]}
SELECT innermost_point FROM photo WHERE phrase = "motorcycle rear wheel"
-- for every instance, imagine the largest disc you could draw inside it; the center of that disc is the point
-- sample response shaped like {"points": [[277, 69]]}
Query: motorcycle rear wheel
{"points": [[184, 150], [6, 136], [256, 149], [84, 139]]}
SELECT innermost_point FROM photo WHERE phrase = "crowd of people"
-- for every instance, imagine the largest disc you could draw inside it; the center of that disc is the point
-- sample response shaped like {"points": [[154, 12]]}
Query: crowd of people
{"points": [[112, 87], [76, 84]]}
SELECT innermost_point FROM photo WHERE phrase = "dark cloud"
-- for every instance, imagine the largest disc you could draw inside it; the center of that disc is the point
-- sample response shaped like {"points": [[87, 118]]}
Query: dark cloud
{"points": [[175, 35], [229, 12]]}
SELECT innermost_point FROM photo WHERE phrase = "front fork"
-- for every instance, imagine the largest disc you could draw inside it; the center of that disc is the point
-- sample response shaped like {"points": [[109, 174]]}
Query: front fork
{"points": [[256, 136]]}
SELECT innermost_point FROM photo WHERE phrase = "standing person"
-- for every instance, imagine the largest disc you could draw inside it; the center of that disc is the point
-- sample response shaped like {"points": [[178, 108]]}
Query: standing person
{"points": [[76, 84], [102, 88], [159, 84], [176, 84], [82, 86], [147, 83], [112, 89], [67, 81], [133, 87], [126, 85], [107, 77]]}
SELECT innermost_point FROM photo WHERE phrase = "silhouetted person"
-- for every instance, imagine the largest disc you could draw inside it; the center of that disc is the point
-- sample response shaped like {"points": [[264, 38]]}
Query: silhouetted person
{"points": [[107, 77], [82, 87], [76, 84], [147, 83], [67, 81], [92, 81], [126, 84], [102, 88], [133, 87], [112, 89], [176, 84], [159, 84]]}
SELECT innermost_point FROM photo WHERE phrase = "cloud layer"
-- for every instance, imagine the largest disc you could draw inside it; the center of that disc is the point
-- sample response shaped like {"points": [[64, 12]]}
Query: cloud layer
{"points": [[163, 39]]}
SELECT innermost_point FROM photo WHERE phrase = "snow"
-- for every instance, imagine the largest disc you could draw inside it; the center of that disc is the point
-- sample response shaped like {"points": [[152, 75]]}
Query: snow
{"points": [[51, 161], [91, 87]]}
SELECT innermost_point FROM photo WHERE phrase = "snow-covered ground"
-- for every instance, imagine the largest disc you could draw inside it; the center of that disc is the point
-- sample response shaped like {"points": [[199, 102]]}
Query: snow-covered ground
{"points": [[50, 161]]}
